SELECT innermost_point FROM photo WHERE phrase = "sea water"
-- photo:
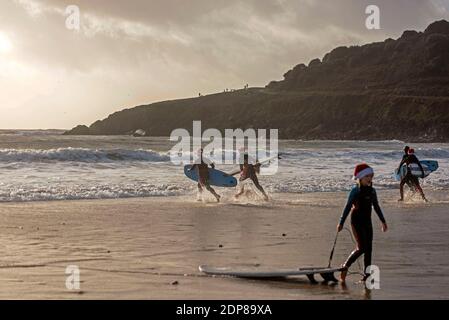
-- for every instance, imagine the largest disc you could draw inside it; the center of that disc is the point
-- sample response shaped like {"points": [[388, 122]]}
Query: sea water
{"points": [[46, 165]]}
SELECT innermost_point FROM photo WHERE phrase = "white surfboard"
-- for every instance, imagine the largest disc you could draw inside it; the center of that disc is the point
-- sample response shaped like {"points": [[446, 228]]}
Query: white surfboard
{"points": [[259, 163], [326, 273], [428, 166]]}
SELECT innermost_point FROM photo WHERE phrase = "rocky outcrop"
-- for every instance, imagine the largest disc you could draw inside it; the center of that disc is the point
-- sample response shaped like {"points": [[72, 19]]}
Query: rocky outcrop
{"points": [[395, 89], [79, 130]]}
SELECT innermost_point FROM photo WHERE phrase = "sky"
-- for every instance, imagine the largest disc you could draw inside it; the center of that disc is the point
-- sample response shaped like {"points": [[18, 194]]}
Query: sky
{"points": [[129, 53]]}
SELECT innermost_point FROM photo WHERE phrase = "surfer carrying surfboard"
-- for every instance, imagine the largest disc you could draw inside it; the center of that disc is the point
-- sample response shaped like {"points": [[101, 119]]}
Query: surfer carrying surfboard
{"points": [[409, 158], [201, 165], [249, 171], [362, 199]]}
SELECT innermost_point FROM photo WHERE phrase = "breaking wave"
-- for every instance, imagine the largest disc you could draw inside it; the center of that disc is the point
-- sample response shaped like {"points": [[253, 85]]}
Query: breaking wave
{"points": [[81, 155]]}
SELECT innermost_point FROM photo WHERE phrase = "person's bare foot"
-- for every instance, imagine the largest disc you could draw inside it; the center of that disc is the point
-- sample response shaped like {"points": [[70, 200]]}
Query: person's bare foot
{"points": [[218, 198], [401, 200]]}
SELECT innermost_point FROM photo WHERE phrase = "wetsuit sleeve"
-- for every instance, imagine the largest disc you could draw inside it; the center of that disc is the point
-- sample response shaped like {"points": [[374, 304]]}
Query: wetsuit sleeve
{"points": [[377, 207], [402, 162], [352, 196]]}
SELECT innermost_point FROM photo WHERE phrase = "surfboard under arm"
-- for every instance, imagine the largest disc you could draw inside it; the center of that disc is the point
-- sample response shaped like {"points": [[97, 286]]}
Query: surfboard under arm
{"points": [[428, 166], [216, 177], [259, 163]]}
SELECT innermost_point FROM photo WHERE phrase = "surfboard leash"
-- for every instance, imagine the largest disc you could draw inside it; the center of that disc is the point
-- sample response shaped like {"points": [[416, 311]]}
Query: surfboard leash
{"points": [[332, 251]]}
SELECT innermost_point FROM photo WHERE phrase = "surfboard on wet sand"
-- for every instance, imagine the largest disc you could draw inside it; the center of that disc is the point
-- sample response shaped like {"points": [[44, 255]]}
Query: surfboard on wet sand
{"points": [[216, 177], [327, 274]]}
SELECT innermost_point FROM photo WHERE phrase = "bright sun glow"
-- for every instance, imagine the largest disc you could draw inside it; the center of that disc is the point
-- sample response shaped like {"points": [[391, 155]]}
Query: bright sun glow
{"points": [[5, 44]]}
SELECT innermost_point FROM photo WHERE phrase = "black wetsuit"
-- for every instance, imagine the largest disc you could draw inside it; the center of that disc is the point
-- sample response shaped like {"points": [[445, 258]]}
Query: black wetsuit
{"points": [[360, 203], [410, 179]]}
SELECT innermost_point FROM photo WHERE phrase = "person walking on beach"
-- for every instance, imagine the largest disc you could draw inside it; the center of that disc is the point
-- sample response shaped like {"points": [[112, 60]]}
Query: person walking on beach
{"points": [[360, 202], [249, 171], [201, 165], [412, 181]]}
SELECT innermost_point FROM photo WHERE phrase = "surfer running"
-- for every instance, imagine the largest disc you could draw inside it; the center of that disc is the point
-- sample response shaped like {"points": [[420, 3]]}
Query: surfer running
{"points": [[360, 202], [409, 179], [201, 164], [248, 171]]}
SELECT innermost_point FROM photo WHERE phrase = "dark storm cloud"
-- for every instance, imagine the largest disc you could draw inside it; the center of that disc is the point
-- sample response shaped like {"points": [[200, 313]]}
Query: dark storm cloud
{"points": [[153, 50]]}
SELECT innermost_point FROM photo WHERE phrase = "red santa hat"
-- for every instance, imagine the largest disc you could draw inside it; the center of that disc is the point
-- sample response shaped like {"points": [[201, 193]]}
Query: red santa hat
{"points": [[362, 170], [411, 151]]}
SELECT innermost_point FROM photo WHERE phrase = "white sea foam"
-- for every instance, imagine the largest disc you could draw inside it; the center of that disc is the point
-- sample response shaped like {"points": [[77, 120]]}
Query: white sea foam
{"points": [[77, 192], [48, 167], [80, 155]]}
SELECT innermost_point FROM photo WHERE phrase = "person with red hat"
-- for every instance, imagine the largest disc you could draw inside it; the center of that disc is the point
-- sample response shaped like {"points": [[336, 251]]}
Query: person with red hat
{"points": [[412, 181], [362, 199]]}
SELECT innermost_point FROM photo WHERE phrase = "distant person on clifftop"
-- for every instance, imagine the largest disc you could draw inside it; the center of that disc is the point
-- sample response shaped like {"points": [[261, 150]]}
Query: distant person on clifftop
{"points": [[201, 165], [412, 181]]}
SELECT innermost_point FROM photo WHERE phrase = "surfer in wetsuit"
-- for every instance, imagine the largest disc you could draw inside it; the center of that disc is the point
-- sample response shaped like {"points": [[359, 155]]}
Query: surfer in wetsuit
{"points": [[360, 202], [409, 179], [249, 171], [201, 164]]}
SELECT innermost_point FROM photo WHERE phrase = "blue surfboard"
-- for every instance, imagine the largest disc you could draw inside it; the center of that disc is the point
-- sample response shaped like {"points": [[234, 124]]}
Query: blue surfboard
{"points": [[429, 166], [216, 177]]}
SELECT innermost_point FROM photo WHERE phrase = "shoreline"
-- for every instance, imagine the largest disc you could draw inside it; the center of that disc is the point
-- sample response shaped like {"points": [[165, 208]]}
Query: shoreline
{"points": [[281, 139], [63, 132], [438, 194]]}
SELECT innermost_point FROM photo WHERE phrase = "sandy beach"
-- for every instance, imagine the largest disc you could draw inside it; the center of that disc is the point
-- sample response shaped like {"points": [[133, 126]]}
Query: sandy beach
{"points": [[150, 248], [117, 115]]}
